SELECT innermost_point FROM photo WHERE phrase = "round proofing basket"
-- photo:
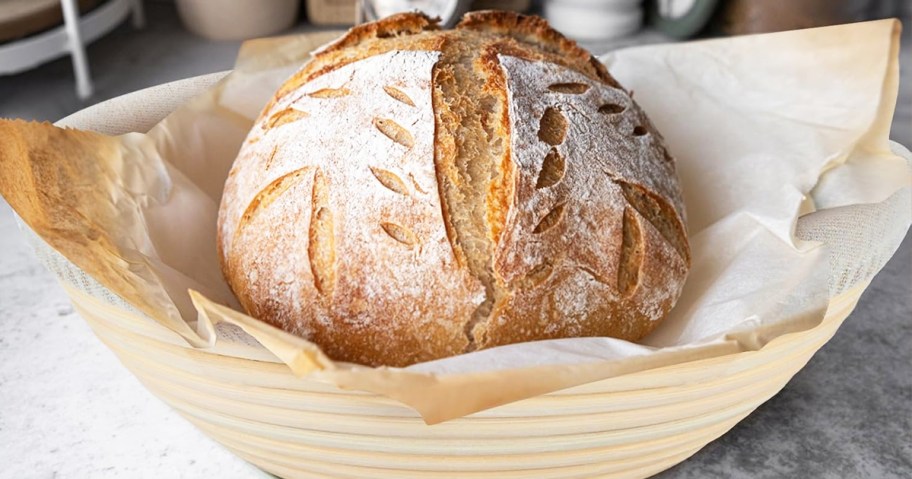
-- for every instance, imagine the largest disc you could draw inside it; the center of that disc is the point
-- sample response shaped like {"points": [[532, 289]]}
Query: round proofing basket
{"points": [[629, 426]]}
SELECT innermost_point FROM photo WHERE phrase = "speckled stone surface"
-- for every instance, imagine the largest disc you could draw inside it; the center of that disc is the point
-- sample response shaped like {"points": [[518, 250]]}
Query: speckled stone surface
{"points": [[68, 409], [847, 414]]}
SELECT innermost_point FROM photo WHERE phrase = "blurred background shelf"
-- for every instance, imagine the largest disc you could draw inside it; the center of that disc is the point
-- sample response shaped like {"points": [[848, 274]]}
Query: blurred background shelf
{"points": [[29, 19]]}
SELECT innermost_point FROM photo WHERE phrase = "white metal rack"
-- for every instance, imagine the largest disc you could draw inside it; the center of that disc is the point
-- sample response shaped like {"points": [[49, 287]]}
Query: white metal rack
{"points": [[71, 37]]}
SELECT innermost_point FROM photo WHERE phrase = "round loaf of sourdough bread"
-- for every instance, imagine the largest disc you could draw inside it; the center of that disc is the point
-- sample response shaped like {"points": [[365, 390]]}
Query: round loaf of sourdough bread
{"points": [[415, 193]]}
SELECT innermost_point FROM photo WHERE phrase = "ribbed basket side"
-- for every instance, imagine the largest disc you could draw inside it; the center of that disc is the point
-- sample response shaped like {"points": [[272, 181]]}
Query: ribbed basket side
{"points": [[630, 426]]}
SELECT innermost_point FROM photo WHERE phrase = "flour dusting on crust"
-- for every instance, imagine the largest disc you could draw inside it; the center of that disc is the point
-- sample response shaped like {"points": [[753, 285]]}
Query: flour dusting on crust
{"points": [[375, 155], [572, 219]]}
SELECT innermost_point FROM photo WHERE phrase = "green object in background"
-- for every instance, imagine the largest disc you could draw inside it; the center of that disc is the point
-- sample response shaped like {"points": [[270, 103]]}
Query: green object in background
{"points": [[681, 18]]}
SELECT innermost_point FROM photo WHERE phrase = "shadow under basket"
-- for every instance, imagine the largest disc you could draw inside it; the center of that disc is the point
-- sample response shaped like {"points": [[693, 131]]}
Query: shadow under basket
{"points": [[633, 425]]}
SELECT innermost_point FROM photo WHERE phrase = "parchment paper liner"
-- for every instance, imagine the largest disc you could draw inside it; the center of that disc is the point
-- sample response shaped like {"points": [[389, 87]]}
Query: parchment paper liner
{"points": [[756, 122]]}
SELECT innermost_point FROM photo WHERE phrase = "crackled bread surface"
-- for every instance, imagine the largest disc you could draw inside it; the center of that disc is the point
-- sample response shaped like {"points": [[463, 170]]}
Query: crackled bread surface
{"points": [[415, 193]]}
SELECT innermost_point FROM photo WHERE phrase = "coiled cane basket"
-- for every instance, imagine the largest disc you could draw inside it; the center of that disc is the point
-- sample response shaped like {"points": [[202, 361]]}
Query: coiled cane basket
{"points": [[633, 425]]}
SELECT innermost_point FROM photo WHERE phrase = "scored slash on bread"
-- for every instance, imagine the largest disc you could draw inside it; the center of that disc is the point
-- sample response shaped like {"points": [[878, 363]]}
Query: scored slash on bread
{"points": [[595, 240], [414, 193]]}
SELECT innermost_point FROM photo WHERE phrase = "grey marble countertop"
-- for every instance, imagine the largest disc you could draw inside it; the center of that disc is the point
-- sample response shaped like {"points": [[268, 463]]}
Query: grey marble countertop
{"points": [[68, 409]]}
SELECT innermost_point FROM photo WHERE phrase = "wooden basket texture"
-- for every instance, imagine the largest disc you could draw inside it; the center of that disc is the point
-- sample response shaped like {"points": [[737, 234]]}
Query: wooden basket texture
{"points": [[629, 426]]}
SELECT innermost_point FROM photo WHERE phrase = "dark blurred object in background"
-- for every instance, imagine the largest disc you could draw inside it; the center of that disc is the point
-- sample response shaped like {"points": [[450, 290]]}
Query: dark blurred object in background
{"points": [[513, 5], [688, 18], [739, 17], [19, 18]]}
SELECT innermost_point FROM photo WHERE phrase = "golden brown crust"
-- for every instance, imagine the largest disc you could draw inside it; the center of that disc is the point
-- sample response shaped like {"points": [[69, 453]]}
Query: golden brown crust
{"points": [[526, 28], [534, 237], [395, 32], [389, 27], [535, 31]]}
